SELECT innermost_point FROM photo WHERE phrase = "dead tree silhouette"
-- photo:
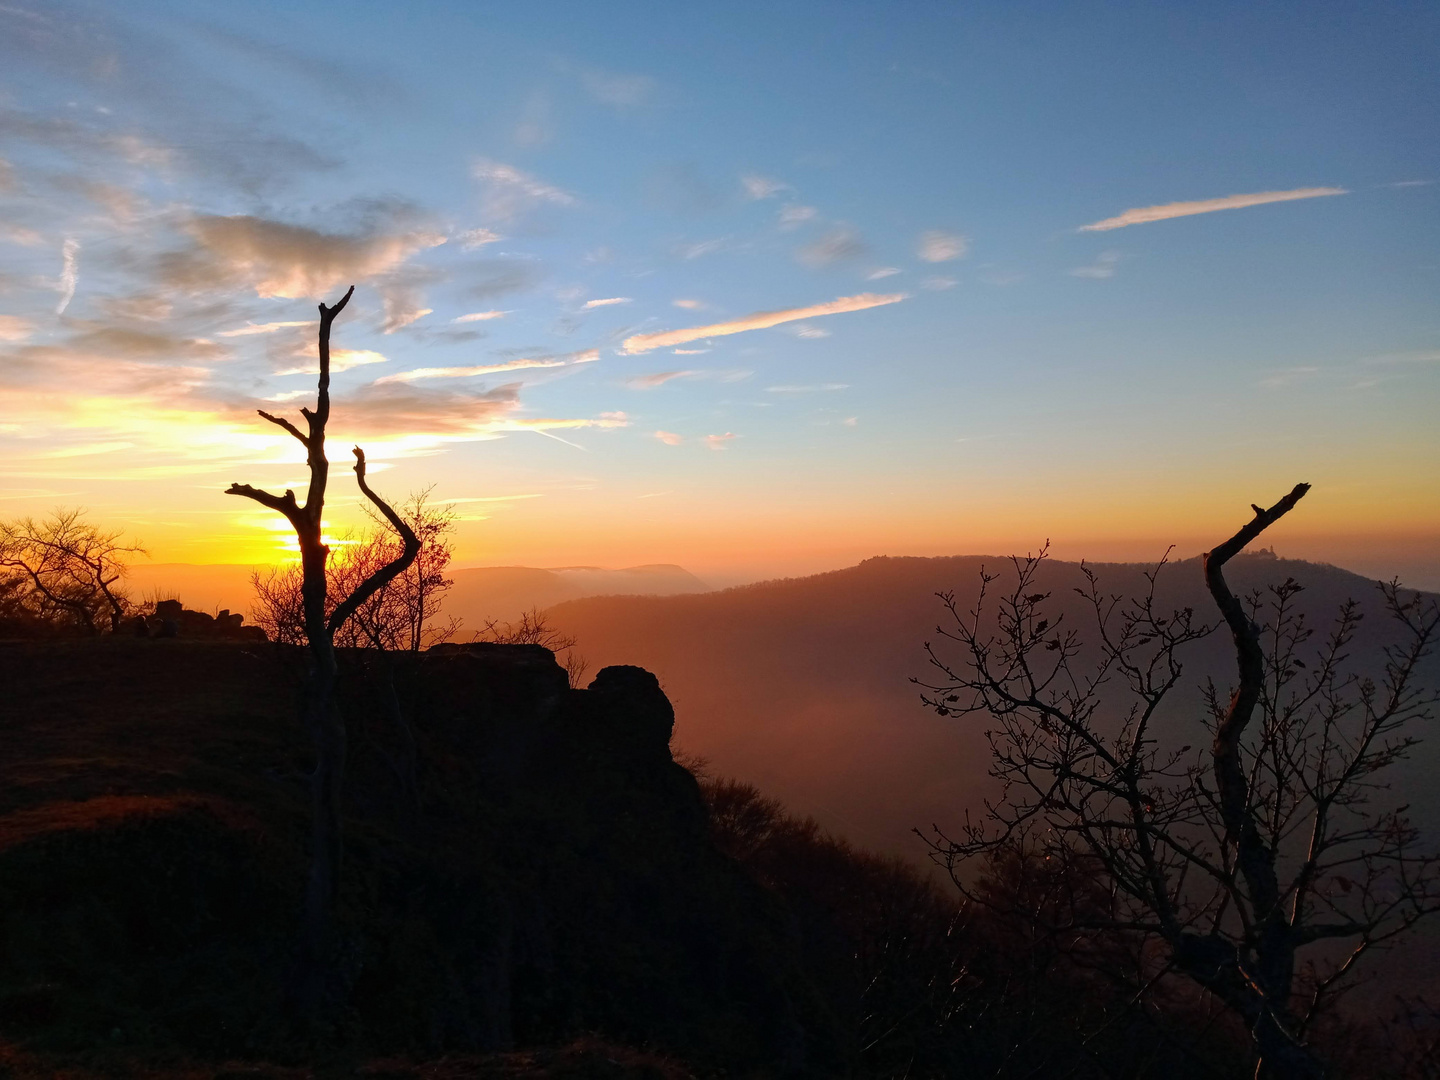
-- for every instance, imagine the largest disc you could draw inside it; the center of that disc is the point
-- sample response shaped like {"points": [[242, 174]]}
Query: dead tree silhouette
{"points": [[1226, 865], [326, 725]]}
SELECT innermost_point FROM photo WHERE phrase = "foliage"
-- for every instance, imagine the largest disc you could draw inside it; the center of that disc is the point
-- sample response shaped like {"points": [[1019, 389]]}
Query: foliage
{"points": [[62, 575]]}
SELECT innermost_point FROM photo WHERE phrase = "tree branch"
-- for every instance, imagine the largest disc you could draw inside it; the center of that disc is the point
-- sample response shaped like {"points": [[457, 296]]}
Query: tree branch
{"points": [[387, 573], [288, 426], [283, 504]]}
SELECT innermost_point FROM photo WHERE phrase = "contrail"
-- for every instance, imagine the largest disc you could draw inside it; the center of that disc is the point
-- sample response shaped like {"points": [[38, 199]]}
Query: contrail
{"points": [[69, 274]]}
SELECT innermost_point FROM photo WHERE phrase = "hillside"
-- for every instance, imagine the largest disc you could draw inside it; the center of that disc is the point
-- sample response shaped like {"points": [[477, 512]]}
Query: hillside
{"points": [[802, 685], [153, 816], [480, 593]]}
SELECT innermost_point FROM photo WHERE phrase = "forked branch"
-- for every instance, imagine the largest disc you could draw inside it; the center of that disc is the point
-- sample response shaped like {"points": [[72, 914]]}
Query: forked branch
{"points": [[391, 570]]}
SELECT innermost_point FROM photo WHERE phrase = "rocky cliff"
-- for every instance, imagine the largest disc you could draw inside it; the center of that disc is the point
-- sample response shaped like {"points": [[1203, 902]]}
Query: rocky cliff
{"points": [[548, 872]]}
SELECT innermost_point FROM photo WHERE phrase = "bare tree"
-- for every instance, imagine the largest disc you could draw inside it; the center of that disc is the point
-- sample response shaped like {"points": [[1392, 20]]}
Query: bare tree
{"points": [[533, 628], [321, 621], [69, 571], [404, 615], [1231, 866]]}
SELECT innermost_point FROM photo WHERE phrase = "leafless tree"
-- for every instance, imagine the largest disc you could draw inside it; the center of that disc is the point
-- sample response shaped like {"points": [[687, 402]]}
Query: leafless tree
{"points": [[67, 571], [404, 615], [533, 628], [1232, 866], [321, 620]]}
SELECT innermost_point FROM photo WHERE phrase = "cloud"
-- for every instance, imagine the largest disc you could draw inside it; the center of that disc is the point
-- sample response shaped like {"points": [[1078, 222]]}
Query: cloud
{"points": [[836, 245], [608, 302], [69, 273], [8, 183], [263, 328], [760, 320], [404, 408], [669, 438], [14, 328], [589, 356], [1288, 376], [1143, 214], [720, 442], [882, 272], [793, 216], [1419, 356], [689, 305], [821, 387], [510, 192], [659, 378], [703, 247], [762, 187], [1102, 267], [402, 306], [936, 246], [500, 276], [471, 239], [850, 421], [289, 261], [340, 360], [937, 283], [689, 352], [479, 316], [811, 332], [621, 91], [19, 234]]}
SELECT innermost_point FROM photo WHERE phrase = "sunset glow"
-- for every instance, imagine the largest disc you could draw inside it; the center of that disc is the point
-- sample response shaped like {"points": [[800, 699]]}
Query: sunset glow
{"points": [[756, 309]]}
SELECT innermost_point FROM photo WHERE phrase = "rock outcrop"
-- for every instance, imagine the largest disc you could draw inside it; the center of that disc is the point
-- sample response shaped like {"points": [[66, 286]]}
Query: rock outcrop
{"points": [[557, 877]]}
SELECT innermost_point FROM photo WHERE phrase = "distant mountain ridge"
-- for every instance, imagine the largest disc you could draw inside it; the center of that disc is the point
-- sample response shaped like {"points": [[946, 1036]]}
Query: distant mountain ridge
{"points": [[481, 593], [801, 685]]}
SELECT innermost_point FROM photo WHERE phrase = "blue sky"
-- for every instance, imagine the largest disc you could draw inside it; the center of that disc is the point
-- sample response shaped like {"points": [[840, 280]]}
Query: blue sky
{"points": [[993, 373]]}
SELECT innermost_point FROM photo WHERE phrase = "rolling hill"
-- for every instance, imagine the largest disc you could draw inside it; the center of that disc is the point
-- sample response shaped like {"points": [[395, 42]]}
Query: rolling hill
{"points": [[802, 686]]}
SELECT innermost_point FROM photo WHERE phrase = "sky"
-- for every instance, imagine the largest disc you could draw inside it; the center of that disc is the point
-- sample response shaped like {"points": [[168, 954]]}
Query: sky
{"points": [[756, 289]]}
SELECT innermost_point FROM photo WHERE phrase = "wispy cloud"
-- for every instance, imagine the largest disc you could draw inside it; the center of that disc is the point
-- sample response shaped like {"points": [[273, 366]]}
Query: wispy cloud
{"points": [[19, 234], [689, 352], [761, 320], [882, 272], [14, 328], [689, 305], [818, 388], [938, 283], [1102, 267], [1288, 377], [608, 302], [589, 356], [291, 261], [402, 307], [762, 187], [936, 246], [669, 438], [614, 88], [1143, 214], [836, 245], [262, 328], [471, 239], [340, 360], [69, 273], [510, 192], [480, 316], [793, 215], [1419, 356], [657, 378], [720, 442]]}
